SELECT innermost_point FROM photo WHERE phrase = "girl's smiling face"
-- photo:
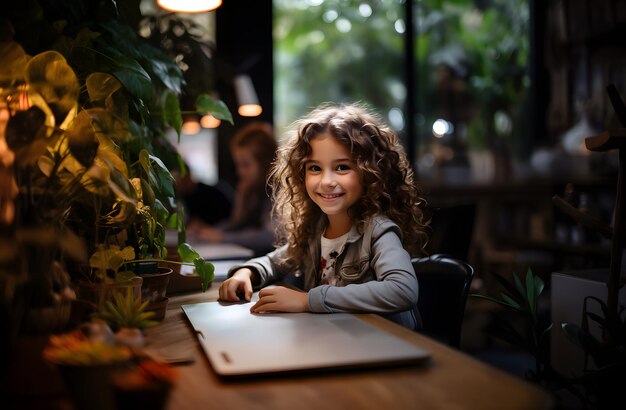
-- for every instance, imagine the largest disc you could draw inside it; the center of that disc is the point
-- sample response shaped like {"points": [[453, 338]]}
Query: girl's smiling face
{"points": [[332, 179]]}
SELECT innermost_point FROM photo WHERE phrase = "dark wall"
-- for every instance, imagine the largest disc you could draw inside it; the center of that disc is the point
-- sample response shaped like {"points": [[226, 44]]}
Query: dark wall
{"points": [[244, 46]]}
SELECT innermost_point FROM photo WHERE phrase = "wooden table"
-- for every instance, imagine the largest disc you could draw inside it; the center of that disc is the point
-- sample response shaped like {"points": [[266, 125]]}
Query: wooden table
{"points": [[451, 380]]}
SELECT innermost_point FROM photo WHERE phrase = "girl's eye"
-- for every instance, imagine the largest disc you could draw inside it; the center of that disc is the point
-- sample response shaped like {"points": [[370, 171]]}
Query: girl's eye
{"points": [[314, 168], [343, 167]]}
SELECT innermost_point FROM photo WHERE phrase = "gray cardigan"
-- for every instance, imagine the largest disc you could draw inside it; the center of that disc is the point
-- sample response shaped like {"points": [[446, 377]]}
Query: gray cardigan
{"points": [[374, 272]]}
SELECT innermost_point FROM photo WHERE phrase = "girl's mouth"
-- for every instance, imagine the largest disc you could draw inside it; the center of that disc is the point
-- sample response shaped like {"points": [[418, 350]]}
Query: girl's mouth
{"points": [[330, 196]]}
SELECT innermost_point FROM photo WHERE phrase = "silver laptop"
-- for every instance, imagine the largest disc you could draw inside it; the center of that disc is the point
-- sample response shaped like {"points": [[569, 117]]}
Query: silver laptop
{"points": [[239, 343]]}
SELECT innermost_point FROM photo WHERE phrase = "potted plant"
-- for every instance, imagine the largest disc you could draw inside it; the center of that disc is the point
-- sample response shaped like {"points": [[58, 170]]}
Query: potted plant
{"points": [[596, 385], [86, 367], [83, 101], [101, 374], [57, 163], [83, 151]]}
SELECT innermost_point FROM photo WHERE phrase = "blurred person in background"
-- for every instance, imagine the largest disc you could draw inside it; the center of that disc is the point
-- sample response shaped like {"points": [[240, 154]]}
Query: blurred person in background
{"points": [[253, 149]]}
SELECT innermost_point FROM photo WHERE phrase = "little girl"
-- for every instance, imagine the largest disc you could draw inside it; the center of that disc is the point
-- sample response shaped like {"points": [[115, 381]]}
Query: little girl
{"points": [[348, 207]]}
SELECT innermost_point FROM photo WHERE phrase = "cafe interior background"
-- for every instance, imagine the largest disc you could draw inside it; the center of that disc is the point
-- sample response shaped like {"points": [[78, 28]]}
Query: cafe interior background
{"points": [[492, 99]]}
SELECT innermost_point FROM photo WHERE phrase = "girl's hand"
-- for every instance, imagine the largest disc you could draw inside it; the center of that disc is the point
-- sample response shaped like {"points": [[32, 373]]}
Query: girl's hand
{"points": [[239, 282], [281, 299]]}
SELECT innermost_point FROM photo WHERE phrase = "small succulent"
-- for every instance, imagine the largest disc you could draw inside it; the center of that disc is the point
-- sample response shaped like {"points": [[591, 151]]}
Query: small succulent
{"points": [[124, 310]]}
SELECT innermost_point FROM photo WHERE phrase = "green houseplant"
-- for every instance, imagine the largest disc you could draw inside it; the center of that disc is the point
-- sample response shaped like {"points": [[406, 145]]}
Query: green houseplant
{"points": [[57, 163], [84, 154], [84, 104]]}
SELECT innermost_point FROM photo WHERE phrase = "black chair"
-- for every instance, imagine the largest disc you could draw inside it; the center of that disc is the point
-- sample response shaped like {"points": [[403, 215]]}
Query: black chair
{"points": [[444, 284]]}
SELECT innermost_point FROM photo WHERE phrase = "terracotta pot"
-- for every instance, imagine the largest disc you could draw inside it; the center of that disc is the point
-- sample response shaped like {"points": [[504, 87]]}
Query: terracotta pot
{"points": [[155, 284], [154, 289], [159, 307]]}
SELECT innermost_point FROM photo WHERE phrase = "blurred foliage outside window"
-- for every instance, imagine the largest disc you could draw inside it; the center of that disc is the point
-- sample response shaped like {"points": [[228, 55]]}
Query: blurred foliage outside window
{"points": [[471, 59], [338, 50]]}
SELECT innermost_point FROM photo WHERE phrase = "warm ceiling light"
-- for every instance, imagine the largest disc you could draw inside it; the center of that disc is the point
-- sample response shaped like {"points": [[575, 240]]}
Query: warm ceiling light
{"points": [[209, 121], [189, 6], [191, 126], [250, 110], [246, 96]]}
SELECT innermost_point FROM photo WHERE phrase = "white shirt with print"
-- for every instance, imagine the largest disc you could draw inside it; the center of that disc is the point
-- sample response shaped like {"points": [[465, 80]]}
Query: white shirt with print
{"points": [[331, 248]]}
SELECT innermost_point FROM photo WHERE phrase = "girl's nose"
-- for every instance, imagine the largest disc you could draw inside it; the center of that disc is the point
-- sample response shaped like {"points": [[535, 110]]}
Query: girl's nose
{"points": [[328, 179]]}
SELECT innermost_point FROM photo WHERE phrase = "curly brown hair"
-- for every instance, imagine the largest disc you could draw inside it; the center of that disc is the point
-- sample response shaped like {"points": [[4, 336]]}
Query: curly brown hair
{"points": [[389, 186]]}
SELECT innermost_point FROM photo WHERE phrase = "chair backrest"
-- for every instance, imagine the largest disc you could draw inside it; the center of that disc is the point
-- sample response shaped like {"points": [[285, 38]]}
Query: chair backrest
{"points": [[444, 284]]}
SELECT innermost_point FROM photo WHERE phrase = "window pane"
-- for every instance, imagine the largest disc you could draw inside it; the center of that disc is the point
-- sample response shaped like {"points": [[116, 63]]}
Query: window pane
{"points": [[338, 50], [472, 58]]}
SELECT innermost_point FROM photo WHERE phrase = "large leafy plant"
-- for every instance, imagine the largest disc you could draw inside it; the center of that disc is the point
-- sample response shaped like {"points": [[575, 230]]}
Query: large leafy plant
{"points": [[55, 164], [84, 153]]}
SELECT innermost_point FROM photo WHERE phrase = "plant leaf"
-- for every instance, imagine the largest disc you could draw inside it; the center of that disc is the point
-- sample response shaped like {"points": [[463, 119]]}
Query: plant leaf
{"points": [[205, 104], [512, 291], [147, 194], [160, 211], [110, 156], [519, 287], [163, 176], [168, 73], [128, 253], [530, 292], [101, 85], [134, 78], [180, 223], [49, 74], [122, 188], [82, 140], [512, 302], [107, 124], [126, 275], [172, 114], [205, 270], [144, 161], [187, 253]]}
